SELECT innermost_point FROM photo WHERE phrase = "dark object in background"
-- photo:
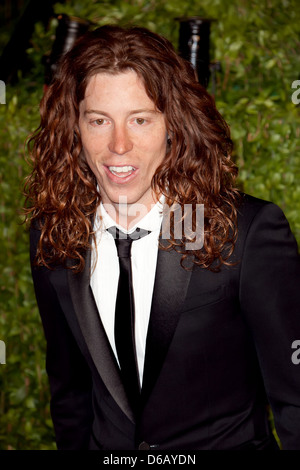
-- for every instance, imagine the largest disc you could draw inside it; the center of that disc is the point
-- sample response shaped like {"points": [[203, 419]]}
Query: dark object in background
{"points": [[193, 45], [14, 56], [68, 30]]}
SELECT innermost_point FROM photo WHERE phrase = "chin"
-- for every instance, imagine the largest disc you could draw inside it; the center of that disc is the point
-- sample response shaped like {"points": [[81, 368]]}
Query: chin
{"points": [[126, 198]]}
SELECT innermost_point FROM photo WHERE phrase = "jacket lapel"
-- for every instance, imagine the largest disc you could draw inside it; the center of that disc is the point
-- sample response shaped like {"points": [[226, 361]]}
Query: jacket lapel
{"points": [[95, 336], [170, 287]]}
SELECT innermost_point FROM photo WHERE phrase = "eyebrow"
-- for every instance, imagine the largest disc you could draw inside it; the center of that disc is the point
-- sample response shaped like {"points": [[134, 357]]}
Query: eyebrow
{"points": [[134, 111]]}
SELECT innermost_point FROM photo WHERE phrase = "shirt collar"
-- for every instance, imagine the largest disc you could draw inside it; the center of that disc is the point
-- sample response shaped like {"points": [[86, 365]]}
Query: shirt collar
{"points": [[151, 221]]}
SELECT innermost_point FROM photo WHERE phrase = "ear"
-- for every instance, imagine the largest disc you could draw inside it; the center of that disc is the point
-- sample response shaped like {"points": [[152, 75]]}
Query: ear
{"points": [[169, 138]]}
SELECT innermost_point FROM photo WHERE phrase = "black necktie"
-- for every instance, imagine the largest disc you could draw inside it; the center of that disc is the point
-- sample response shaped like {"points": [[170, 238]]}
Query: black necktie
{"points": [[124, 315]]}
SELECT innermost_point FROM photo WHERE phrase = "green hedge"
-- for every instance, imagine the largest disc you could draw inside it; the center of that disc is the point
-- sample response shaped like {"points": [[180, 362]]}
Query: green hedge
{"points": [[257, 45]]}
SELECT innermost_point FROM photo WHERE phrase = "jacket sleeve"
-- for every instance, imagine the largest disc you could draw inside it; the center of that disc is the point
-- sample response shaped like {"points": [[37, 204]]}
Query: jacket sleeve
{"points": [[270, 300], [68, 372]]}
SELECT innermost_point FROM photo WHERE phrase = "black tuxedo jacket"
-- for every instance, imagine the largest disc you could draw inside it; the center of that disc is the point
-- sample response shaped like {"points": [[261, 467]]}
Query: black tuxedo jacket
{"points": [[219, 348]]}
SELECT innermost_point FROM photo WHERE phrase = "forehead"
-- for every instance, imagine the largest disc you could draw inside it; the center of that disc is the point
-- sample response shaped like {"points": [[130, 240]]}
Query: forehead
{"points": [[121, 86]]}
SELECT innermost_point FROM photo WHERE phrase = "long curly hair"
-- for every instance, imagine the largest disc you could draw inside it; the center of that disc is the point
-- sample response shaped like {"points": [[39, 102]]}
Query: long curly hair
{"points": [[61, 191]]}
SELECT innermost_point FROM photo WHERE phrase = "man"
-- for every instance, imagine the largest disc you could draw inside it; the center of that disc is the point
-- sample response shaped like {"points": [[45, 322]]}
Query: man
{"points": [[188, 354]]}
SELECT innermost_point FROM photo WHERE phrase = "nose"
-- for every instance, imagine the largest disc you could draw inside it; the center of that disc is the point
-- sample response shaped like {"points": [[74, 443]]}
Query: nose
{"points": [[120, 142]]}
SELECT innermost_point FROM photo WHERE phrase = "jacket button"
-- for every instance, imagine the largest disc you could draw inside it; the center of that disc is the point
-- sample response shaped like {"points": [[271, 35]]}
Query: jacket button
{"points": [[144, 446]]}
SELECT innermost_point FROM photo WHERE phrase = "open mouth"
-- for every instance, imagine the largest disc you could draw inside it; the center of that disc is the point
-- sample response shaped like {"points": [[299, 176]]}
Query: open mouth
{"points": [[121, 171]]}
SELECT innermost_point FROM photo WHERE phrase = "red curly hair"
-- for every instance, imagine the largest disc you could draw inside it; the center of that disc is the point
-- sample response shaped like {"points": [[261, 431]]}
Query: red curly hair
{"points": [[61, 192]]}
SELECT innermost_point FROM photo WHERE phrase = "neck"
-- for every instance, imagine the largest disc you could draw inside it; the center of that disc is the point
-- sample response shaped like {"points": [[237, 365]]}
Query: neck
{"points": [[128, 215]]}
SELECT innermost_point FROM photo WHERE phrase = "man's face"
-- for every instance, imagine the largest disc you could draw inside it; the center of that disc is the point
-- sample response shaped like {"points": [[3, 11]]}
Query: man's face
{"points": [[124, 137]]}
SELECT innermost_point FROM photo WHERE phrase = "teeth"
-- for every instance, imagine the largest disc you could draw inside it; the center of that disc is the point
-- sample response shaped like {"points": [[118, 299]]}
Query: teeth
{"points": [[121, 169], [117, 170]]}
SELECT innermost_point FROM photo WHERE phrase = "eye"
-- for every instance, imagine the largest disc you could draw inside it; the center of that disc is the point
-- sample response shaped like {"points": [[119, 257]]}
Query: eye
{"points": [[140, 121], [99, 122]]}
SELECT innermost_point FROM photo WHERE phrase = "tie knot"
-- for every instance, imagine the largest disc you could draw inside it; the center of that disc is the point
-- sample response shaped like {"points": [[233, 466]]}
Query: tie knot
{"points": [[124, 240]]}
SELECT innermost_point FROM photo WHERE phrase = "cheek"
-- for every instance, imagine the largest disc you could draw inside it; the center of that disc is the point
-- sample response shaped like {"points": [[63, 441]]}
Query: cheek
{"points": [[160, 153], [155, 146], [91, 149], [90, 159]]}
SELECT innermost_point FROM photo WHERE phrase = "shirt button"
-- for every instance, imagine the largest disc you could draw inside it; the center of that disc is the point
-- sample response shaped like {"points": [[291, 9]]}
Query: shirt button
{"points": [[144, 446]]}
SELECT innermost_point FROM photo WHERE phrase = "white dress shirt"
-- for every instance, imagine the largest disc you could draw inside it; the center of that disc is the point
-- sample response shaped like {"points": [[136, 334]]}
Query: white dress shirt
{"points": [[105, 275]]}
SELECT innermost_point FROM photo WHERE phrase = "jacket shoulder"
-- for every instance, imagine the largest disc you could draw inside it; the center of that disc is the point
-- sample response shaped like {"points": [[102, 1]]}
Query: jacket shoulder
{"points": [[257, 217], [251, 204], [251, 207]]}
